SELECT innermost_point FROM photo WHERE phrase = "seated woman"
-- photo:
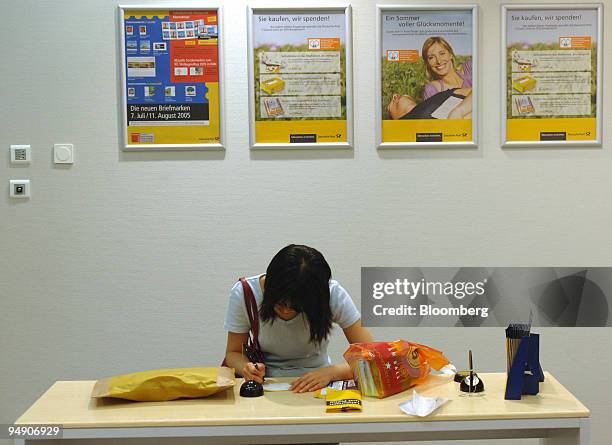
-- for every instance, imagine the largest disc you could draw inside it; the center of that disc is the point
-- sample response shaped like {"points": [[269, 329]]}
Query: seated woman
{"points": [[454, 103], [298, 303]]}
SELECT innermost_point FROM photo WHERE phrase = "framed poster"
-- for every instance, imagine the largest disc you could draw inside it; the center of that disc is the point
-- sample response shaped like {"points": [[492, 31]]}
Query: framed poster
{"points": [[551, 82], [427, 76], [300, 77], [171, 78]]}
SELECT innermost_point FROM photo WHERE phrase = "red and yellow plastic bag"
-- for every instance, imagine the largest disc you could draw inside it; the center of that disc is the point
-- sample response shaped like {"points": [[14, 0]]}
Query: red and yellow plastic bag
{"points": [[386, 368]]}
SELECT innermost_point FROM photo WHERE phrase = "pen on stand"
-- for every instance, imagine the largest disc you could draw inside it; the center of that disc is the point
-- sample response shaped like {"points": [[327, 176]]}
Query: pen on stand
{"points": [[257, 367], [471, 372], [245, 351]]}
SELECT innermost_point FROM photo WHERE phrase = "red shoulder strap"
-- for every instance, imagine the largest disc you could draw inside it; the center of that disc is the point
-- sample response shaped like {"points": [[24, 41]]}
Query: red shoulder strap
{"points": [[251, 306]]}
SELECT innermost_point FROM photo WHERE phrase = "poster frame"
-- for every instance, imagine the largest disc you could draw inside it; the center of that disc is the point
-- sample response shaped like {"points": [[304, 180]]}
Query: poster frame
{"points": [[346, 10], [505, 8], [126, 146], [380, 9]]}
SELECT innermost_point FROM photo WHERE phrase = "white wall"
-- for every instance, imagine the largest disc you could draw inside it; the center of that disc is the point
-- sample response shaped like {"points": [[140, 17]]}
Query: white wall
{"points": [[123, 261]]}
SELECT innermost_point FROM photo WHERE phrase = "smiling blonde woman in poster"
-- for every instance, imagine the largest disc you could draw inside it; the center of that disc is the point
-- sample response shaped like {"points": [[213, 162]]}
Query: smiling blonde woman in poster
{"points": [[442, 67], [427, 76]]}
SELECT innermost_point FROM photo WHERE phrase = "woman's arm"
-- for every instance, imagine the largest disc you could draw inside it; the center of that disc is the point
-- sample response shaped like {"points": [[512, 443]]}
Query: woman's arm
{"points": [[320, 378], [236, 359], [464, 109], [431, 88], [356, 333], [466, 69]]}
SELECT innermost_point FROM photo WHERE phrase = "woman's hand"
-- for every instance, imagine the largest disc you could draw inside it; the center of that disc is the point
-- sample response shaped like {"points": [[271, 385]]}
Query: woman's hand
{"points": [[456, 113], [254, 371], [464, 108], [313, 380]]}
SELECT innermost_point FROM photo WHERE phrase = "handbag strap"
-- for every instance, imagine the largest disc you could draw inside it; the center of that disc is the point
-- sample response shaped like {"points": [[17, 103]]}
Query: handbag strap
{"points": [[251, 307]]}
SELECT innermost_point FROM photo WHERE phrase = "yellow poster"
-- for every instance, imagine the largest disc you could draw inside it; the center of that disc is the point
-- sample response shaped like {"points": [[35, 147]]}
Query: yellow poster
{"points": [[551, 75], [299, 80], [427, 78], [171, 87]]}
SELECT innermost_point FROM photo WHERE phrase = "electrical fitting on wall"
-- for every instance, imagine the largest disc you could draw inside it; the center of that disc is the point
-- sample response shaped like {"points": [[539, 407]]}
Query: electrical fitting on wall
{"points": [[21, 154], [63, 153], [19, 188]]}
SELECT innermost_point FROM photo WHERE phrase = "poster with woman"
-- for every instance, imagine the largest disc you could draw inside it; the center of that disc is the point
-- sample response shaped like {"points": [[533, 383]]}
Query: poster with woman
{"points": [[300, 77], [551, 90], [426, 76]]}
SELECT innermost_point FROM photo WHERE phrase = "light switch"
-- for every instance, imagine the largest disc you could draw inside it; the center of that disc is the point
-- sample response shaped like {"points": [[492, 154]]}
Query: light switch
{"points": [[21, 154], [63, 153], [19, 188]]}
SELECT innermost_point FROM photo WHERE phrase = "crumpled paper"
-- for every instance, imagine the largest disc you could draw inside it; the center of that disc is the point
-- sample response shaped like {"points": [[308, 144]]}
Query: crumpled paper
{"points": [[422, 406], [448, 370]]}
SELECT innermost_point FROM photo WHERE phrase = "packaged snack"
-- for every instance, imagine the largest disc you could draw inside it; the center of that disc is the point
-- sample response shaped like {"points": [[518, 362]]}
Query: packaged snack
{"points": [[386, 368], [524, 84], [524, 105], [336, 384], [166, 384], [273, 106], [524, 65], [273, 85], [342, 400], [271, 61]]}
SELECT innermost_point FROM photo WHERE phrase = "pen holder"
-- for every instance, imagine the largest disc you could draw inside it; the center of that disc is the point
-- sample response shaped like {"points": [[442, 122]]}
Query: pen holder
{"points": [[524, 372]]}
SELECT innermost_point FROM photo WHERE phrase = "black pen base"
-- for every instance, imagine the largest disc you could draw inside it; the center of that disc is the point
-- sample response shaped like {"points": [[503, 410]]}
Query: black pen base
{"points": [[250, 388]]}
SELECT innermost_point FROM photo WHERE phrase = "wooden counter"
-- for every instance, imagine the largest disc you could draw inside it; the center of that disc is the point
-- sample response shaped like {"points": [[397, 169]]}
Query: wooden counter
{"points": [[69, 403]]}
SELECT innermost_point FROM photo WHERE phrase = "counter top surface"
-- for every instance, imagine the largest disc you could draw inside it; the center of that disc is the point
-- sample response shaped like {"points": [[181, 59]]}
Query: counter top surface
{"points": [[69, 403]]}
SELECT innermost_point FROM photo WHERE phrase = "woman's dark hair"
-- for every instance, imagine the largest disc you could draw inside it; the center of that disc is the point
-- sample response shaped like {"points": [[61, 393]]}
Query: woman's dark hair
{"points": [[298, 276]]}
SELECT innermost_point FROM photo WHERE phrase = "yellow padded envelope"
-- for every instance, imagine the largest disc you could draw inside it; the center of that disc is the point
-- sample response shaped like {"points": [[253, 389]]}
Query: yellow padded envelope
{"points": [[166, 384]]}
